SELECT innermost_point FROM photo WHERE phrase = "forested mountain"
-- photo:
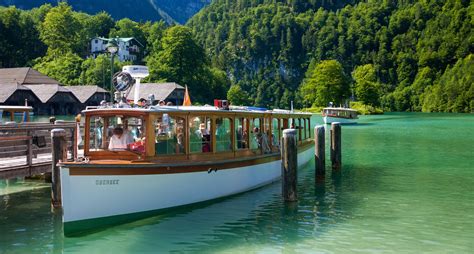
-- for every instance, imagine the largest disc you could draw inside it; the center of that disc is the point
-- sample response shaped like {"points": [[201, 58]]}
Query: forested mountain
{"points": [[404, 55], [138, 10]]}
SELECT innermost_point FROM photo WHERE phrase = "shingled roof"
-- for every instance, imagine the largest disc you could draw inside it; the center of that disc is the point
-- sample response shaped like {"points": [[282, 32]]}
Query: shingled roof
{"points": [[24, 76], [160, 90], [46, 92], [83, 93], [7, 89]]}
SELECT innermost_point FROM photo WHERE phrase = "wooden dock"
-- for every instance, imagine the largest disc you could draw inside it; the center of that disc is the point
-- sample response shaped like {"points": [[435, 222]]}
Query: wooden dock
{"points": [[25, 148]]}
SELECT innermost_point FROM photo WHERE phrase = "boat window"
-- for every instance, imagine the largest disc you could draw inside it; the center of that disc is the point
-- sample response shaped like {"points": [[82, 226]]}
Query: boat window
{"points": [[223, 135], [117, 133], [200, 134], [169, 135], [96, 134], [241, 133], [275, 133], [255, 134]]}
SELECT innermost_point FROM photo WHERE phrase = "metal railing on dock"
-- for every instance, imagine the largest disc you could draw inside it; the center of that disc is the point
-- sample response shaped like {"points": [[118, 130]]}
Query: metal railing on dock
{"points": [[25, 148]]}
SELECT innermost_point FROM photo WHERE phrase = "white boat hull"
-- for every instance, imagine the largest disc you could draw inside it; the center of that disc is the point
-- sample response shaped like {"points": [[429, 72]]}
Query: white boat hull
{"points": [[86, 197], [330, 119]]}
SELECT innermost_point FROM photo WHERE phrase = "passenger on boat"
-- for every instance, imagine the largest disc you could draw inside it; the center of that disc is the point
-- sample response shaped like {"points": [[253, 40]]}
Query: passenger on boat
{"points": [[202, 130], [119, 139], [239, 135], [179, 140], [244, 139], [265, 143], [98, 132], [162, 103], [206, 143], [256, 140]]}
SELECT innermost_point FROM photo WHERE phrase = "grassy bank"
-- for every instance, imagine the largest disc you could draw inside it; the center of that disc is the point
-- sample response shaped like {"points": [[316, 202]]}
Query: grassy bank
{"points": [[365, 109], [314, 110]]}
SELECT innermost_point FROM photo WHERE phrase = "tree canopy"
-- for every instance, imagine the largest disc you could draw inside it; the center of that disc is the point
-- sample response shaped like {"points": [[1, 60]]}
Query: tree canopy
{"points": [[267, 46], [366, 87], [403, 55], [324, 84]]}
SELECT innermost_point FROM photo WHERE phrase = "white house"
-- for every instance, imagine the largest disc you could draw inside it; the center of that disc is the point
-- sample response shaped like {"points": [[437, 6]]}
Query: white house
{"points": [[129, 48]]}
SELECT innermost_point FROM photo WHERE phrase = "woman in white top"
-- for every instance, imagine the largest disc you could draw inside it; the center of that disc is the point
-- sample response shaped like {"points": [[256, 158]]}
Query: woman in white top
{"points": [[120, 140]]}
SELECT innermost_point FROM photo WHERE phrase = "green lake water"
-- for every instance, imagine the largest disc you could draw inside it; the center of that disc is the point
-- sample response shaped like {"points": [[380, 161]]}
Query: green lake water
{"points": [[406, 186]]}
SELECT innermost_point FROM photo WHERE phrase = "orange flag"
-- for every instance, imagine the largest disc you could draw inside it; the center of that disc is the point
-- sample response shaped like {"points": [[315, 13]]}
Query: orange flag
{"points": [[187, 99]]}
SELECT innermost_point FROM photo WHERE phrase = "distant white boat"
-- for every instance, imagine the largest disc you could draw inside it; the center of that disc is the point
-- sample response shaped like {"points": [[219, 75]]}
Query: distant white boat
{"points": [[341, 115]]}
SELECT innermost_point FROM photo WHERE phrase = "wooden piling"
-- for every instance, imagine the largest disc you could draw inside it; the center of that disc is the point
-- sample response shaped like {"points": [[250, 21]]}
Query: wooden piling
{"points": [[336, 146], [59, 149], [289, 165], [320, 152]]}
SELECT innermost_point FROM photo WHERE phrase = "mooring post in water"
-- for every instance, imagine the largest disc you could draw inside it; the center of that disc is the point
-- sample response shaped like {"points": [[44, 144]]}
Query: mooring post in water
{"points": [[58, 139], [336, 146], [319, 152], [289, 165]]}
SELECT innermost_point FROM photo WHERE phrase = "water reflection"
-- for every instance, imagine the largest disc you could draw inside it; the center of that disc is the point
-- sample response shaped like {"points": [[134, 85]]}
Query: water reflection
{"points": [[401, 189], [257, 217]]}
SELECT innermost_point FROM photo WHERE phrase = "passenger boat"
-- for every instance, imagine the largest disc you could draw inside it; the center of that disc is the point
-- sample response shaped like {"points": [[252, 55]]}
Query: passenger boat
{"points": [[175, 156], [341, 115]]}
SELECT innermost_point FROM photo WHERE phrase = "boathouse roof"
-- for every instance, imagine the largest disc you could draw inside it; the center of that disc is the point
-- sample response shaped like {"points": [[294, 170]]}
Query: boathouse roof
{"points": [[47, 91], [8, 89], [24, 76], [161, 90], [84, 93]]}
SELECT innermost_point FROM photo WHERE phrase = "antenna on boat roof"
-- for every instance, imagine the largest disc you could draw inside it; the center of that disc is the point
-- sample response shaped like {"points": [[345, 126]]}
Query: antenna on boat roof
{"points": [[291, 107]]}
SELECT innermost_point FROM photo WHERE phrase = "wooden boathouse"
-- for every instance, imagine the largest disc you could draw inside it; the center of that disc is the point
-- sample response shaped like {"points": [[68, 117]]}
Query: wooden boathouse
{"points": [[89, 95], [46, 95]]}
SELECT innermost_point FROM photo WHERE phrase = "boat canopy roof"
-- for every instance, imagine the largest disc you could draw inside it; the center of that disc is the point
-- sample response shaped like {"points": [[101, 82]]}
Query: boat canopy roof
{"points": [[340, 109], [192, 109], [16, 108]]}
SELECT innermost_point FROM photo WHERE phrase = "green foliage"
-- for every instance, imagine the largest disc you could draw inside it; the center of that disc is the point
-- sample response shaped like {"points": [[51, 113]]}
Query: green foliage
{"points": [[183, 61], [237, 96], [266, 46], [128, 28], [367, 89], [364, 109], [19, 42], [65, 68], [325, 83], [314, 110], [455, 90], [97, 71], [410, 54], [60, 30], [154, 33]]}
